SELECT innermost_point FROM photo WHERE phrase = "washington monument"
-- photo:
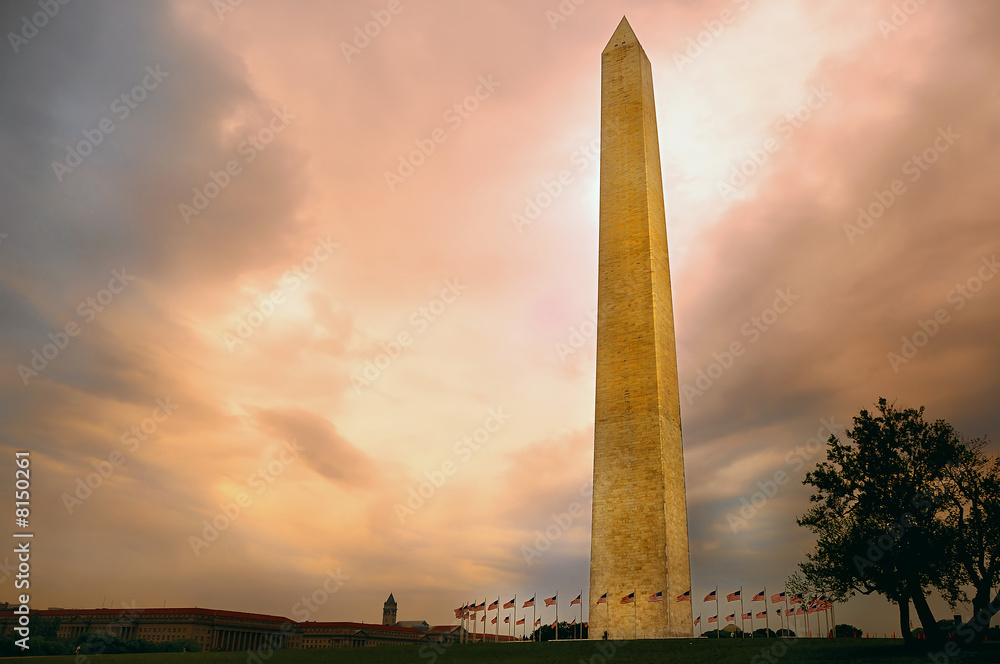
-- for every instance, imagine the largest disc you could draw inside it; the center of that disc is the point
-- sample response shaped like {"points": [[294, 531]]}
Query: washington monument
{"points": [[639, 541]]}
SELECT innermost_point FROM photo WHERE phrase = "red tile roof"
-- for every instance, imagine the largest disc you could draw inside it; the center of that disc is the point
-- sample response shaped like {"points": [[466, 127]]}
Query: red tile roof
{"points": [[164, 612], [360, 626]]}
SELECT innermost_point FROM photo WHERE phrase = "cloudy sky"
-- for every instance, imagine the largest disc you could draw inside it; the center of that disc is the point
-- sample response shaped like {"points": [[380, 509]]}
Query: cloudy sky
{"points": [[264, 270]]}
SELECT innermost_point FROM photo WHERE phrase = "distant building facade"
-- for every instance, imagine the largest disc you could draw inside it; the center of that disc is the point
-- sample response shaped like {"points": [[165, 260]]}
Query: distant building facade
{"points": [[216, 630]]}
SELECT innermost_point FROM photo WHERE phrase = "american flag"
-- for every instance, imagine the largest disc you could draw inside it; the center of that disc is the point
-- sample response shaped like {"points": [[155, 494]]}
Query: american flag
{"points": [[492, 622], [778, 612], [494, 605], [628, 599], [732, 597], [520, 622], [713, 619], [551, 601], [530, 602], [506, 620], [697, 620], [603, 599], [656, 597], [578, 600], [778, 597], [709, 597], [538, 621], [554, 625], [508, 605], [795, 599], [746, 616], [685, 597], [483, 619], [731, 617], [587, 625], [762, 614], [458, 611], [573, 622], [759, 597]]}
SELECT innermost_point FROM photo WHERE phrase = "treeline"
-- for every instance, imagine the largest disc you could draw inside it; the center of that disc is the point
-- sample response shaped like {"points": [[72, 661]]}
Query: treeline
{"points": [[43, 641]]}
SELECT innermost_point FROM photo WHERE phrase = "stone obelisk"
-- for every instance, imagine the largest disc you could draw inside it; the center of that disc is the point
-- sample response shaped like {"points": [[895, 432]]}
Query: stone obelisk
{"points": [[639, 541]]}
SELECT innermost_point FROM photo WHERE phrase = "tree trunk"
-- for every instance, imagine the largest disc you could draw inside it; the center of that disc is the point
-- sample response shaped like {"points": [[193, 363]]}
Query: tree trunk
{"points": [[926, 616], [981, 607], [904, 619]]}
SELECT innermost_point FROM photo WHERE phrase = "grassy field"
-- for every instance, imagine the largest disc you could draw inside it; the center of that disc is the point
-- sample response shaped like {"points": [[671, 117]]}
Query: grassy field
{"points": [[756, 651]]}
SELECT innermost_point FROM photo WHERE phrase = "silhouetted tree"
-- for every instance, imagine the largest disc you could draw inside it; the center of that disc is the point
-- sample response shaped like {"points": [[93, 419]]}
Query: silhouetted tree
{"points": [[848, 632], [877, 505]]}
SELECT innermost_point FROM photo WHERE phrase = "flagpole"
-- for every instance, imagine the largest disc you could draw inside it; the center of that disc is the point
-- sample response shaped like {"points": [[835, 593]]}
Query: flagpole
{"points": [[833, 612], [743, 623], [635, 614], [718, 617], [557, 615], [581, 613], [767, 617], [533, 624], [795, 619], [786, 608]]}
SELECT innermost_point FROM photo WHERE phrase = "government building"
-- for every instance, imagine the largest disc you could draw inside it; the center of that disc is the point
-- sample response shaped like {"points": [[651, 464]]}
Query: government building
{"points": [[218, 630]]}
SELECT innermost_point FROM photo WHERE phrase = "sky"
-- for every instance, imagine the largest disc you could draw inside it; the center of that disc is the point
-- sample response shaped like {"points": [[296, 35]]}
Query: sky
{"points": [[298, 296]]}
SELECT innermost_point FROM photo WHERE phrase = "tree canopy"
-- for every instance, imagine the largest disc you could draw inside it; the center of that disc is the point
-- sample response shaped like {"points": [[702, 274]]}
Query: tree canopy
{"points": [[904, 508]]}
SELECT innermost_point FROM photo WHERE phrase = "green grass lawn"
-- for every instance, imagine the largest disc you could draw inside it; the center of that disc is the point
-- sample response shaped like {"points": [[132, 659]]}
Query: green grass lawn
{"points": [[749, 651]]}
